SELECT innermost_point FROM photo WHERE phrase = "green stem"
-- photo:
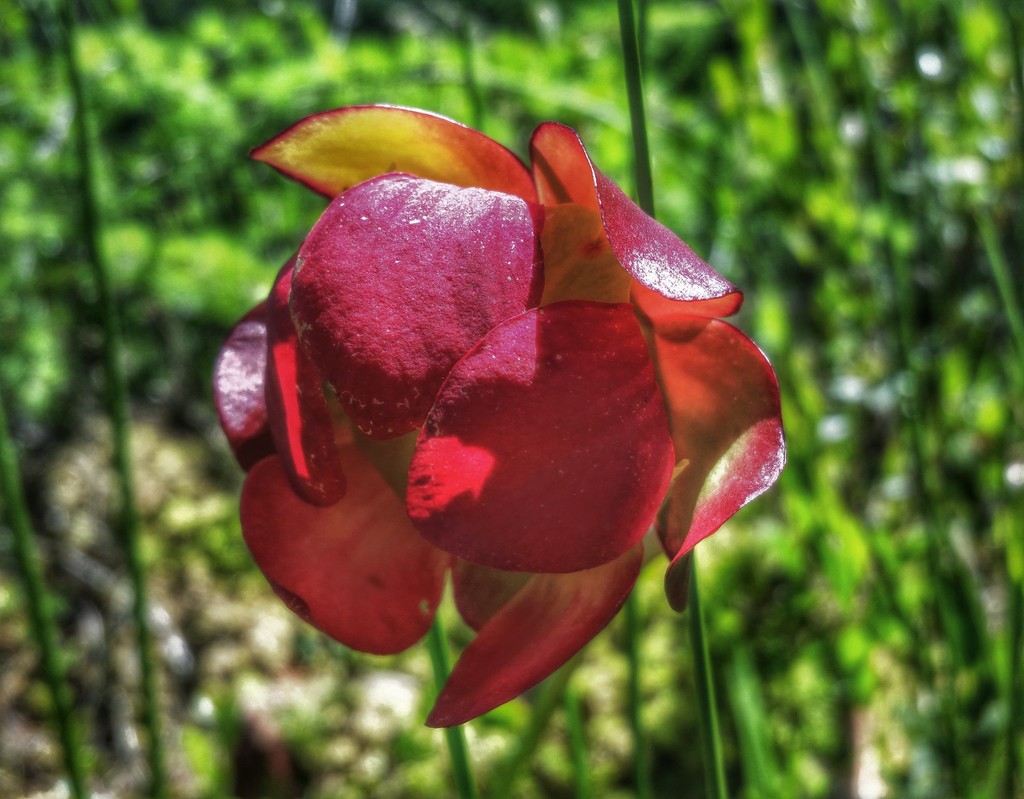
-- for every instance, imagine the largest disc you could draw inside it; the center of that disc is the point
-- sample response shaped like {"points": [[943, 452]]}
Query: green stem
{"points": [[521, 751], [577, 745], [711, 747], [1015, 585], [41, 622], [641, 762], [469, 79], [117, 406], [645, 196], [637, 116], [437, 646]]}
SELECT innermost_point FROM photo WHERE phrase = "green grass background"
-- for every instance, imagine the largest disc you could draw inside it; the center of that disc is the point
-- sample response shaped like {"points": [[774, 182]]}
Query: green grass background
{"points": [[857, 168]]}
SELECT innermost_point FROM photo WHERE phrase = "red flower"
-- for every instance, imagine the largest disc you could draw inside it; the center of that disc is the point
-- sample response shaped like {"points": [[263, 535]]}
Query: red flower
{"points": [[476, 368]]}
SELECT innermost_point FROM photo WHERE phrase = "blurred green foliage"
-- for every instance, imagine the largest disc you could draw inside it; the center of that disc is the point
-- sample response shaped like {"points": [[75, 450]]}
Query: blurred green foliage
{"points": [[835, 160]]}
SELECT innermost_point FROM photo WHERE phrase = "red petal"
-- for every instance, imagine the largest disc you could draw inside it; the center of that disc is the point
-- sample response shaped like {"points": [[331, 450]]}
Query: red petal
{"points": [[481, 592], [355, 570], [238, 378], [723, 401], [655, 256], [547, 449], [399, 278], [300, 419], [650, 252], [538, 630], [335, 150], [562, 169]]}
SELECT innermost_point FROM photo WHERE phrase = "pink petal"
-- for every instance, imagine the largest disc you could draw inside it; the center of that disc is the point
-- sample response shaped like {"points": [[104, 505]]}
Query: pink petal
{"points": [[300, 419], [355, 570], [535, 632], [335, 150], [238, 378], [655, 257], [723, 401], [547, 449], [398, 279]]}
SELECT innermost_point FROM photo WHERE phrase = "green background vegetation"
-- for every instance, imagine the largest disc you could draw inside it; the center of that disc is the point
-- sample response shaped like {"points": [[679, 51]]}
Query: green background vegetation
{"points": [[857, 168]]}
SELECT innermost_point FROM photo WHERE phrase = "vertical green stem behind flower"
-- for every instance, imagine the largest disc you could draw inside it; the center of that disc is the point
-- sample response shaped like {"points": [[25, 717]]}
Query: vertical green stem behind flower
{"points": [[117, 406], [1014, 560], [40, 617], [710, 742], [437, 646], [711, 746]]}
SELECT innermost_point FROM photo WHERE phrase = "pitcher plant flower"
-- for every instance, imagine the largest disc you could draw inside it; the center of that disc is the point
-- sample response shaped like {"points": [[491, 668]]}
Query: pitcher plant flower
{"points": [[498, 373]]}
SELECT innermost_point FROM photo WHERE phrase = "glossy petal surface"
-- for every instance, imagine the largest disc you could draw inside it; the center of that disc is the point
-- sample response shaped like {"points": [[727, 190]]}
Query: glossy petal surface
{"points": [[300, 421], [399, 278], [355, 570], [535, 632], [238, 385], [547, 449], [726, 422], [655, 257], [335, 150]]}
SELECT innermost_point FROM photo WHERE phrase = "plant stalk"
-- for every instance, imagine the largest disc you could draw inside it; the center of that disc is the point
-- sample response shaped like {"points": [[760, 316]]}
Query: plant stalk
{"points": [[437, 646], [117, 408], [40, 614]]}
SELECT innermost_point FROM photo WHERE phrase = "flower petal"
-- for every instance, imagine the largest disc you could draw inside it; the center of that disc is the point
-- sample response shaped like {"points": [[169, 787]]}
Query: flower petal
{"points": [[335, 150], [300, 420], [547, 449], [355, 570], [238, 380], [655, 257], [481, 592], [398, 279], [543, 625], [723, 401]]}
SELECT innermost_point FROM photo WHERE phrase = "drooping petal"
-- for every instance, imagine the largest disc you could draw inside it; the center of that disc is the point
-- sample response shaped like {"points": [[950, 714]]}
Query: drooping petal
{"points": [[238, 380], [398, 279], [355, 570], [543, 625], [547, 449], [481, 592], [655, 257], [300, 420], [333, 151], [723, 401]]}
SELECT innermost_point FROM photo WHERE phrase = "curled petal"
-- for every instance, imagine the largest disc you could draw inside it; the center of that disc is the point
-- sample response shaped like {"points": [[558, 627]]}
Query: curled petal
{"points": [[300, 420], [543, 625], [333, 151], [651, 253], [547, 449], [355, 570], [238, 381], [562, 169], [398, 279], [724, 412]]}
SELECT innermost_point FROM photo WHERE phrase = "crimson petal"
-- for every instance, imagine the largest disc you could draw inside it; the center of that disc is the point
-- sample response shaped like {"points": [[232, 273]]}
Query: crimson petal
{"points": [[398, 279], [547, 449], [655, 256], [238, 380], [355, 570], [543, 625], [300, 419], [481, 592], [723, 401]]}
